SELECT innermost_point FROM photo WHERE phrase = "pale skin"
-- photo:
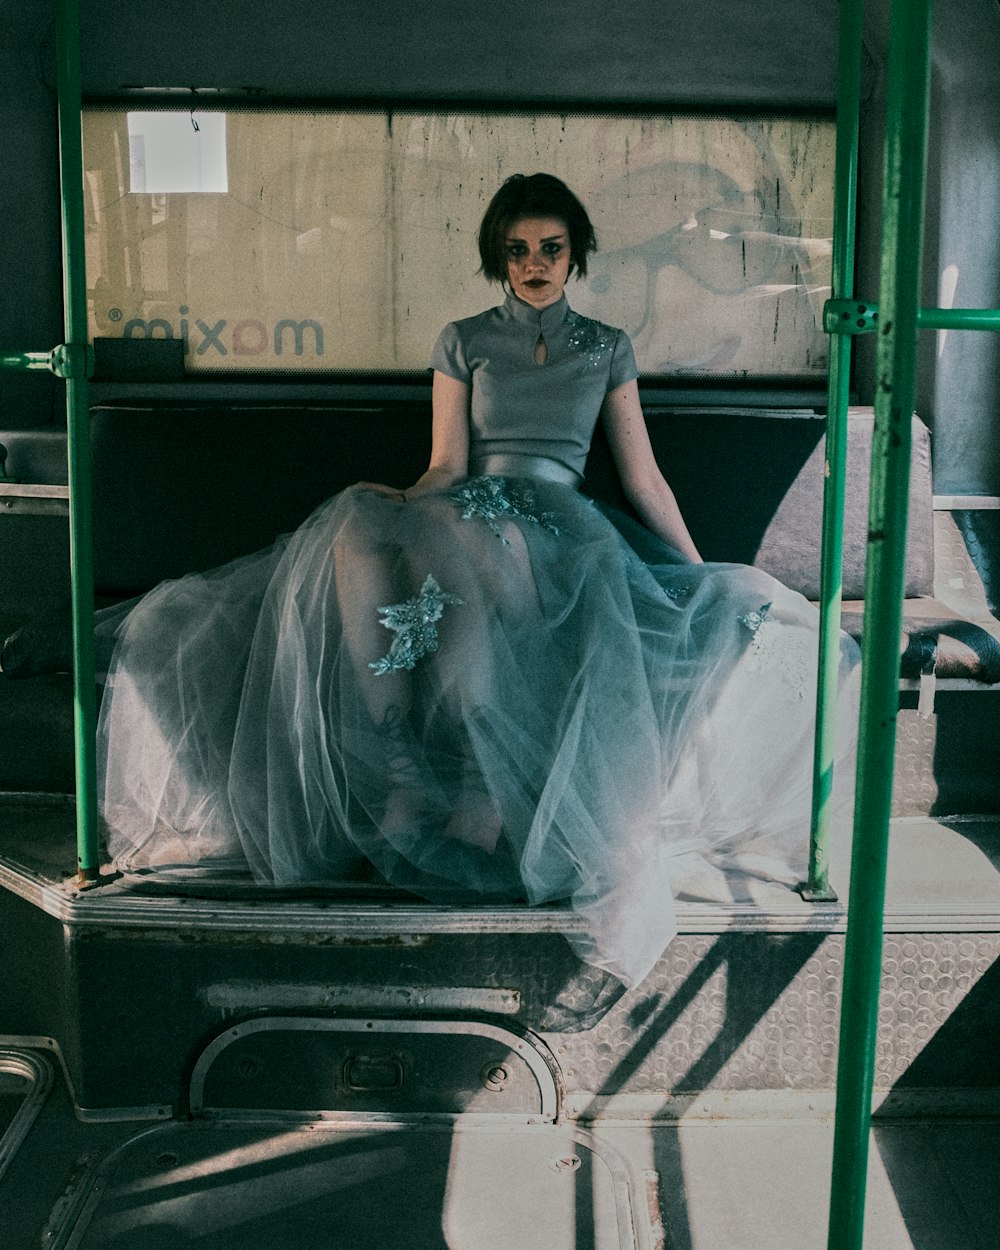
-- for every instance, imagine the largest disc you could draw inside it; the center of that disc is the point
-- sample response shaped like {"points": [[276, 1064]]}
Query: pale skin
{"points": [[538, 266]]}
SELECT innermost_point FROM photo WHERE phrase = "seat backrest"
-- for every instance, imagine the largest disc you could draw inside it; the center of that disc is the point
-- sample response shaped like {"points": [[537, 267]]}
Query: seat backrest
{"points": [[750, 486], [180, 487]]}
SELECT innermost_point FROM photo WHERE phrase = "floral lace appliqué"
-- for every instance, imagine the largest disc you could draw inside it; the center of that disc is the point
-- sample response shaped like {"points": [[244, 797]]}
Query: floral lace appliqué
{"points": [[590, 338], [415, 625], [492, 497], [778, 651], [754, 620]]}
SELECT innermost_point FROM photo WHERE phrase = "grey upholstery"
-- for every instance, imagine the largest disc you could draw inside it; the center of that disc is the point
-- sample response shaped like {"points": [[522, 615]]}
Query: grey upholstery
{"points": [[750, 484]]}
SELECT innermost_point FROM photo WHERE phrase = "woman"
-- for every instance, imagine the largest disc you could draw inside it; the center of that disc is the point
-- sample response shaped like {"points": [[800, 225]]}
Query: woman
{"points": [[476, 685]]}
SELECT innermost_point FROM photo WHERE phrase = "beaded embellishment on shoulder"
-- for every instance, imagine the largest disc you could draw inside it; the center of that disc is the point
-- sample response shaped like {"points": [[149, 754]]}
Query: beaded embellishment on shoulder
{"points": [[591, 339], [414, 623], [492, 497]]}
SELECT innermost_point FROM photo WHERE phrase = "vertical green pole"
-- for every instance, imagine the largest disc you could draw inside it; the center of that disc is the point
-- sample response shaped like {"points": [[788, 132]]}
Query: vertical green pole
{"points": [[78, 431], [838, 395], [902, 238]]}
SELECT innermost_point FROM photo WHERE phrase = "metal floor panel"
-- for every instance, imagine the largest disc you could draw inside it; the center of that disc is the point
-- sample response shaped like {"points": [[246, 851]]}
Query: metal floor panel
{"points": [[766, 1186], [228, 1185], [758, 1184], [25, 1080]]}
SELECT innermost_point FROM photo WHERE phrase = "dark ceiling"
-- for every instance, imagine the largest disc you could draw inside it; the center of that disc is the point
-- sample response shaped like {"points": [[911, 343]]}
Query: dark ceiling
{"points": [[588, 51]]}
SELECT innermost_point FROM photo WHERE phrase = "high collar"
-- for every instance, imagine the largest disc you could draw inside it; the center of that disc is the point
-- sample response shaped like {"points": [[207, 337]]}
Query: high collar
{"points": [[542, 320]]}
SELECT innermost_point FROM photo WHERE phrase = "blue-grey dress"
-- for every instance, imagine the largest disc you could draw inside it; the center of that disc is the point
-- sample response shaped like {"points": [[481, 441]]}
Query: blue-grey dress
{"points": [[627, 727]]}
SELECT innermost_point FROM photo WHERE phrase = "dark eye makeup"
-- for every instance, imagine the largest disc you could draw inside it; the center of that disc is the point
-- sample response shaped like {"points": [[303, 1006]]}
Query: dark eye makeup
{"points": [[551, 248]]}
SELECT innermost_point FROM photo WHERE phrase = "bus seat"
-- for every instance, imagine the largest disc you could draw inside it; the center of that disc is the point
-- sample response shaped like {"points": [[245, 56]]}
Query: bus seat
{"points": [[182, 486]]}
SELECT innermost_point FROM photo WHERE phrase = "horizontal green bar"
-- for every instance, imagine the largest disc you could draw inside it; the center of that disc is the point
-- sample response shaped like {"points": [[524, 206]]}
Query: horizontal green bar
{"points": [[848, 316], [958, 318], [68, 360], [25, 360]]}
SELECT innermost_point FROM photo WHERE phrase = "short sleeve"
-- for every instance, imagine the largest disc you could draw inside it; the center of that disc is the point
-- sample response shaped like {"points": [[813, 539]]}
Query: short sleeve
{"points": [[623, 366], [448, 355]]}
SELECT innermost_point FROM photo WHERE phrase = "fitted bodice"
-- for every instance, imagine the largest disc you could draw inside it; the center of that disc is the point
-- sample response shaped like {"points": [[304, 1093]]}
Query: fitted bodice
{"points": [[520, 407]]}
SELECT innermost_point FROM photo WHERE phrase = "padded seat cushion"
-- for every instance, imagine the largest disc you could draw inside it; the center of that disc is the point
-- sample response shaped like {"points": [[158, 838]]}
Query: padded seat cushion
{"points": [[937, 640]]}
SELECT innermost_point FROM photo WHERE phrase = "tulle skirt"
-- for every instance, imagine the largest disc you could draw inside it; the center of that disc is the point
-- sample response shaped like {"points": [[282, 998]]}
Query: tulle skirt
{"points": [[499, 692]]}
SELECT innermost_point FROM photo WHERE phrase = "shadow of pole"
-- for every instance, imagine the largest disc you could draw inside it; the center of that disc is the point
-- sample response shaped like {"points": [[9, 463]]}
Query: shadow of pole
{"points": [[753, 986]]}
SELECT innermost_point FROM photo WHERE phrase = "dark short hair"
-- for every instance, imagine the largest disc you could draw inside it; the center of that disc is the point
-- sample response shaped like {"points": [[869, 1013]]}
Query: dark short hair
{"points": [[533, 195]]}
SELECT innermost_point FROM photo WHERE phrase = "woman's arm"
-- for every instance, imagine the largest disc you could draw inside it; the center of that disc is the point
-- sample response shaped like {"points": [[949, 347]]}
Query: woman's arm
{"points": [[640, 475], [449, 436], [449, 441]]}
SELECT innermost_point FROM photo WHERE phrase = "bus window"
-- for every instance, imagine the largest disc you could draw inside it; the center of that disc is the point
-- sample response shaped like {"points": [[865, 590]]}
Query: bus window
{"points": [[332, 240]]}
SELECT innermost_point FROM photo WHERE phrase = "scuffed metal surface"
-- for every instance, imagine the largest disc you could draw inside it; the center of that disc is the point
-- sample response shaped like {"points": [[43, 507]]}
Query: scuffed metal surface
{"points": [[762, 1013]]}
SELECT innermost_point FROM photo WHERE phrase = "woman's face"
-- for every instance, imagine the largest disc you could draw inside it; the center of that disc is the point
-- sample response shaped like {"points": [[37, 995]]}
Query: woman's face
{"points": [[538, 259]]}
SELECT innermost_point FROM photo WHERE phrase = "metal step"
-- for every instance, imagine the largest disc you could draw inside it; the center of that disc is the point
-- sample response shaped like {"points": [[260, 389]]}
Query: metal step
{"points": [[745, 999]]}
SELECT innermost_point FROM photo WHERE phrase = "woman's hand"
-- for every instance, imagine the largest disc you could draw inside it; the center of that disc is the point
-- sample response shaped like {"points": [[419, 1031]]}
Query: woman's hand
{"points": [[380, 488], [450, 444]]}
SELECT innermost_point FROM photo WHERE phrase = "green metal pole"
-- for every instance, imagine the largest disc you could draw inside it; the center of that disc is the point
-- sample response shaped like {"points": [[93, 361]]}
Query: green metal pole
{"points": [[959, 318], [902, 237], [78, 432], [817, 888]]}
